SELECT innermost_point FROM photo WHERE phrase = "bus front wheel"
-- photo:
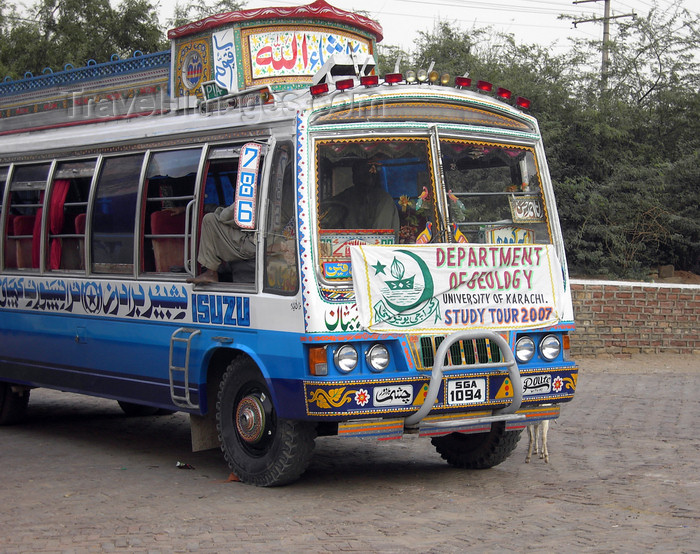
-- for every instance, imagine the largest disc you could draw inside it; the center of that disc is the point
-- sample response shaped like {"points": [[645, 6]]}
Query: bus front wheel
{"points": [[260, 448], [13, 404], [477, 450]]}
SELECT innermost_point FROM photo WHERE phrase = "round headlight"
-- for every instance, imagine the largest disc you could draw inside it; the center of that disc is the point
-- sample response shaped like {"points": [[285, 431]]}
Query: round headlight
{"points": [[345, 358], [377, 357], [550, 347], [524, 349]]}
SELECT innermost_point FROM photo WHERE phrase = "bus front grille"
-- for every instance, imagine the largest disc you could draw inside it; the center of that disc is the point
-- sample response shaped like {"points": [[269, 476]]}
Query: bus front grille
{"points": [[464, 352]]}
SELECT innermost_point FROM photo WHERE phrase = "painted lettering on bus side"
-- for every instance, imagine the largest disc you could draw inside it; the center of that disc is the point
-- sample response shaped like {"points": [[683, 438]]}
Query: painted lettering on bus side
{"points": [[221, 310]]}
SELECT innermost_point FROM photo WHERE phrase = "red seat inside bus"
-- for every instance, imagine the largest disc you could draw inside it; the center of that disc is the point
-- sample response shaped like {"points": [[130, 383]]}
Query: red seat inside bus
{"points": [[10, 249], [168, 251], [23, 226]]}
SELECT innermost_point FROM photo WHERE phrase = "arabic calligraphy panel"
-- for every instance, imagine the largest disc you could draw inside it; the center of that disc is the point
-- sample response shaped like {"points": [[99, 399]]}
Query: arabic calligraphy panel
{"points": [[299, 52]]}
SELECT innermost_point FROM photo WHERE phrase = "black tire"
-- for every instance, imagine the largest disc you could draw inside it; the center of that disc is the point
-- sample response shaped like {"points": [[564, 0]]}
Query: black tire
{"points": [[260, 448], [13, 405], [477, 450], [137, 410]]}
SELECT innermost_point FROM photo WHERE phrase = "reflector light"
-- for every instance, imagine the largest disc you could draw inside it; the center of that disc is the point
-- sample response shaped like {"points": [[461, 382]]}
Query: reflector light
{"points": [[504, 93], [369, 80], [523, 103], [317, 90], [444, 78], [422, 75], [484, 86], [411, 76], [318, 364], [392, 78], [344, 84], [433, 76], [463, 82]]}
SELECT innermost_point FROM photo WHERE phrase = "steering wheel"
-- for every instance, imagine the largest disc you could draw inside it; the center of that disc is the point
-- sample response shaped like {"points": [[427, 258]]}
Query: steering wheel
{"points": [[332, 213]]}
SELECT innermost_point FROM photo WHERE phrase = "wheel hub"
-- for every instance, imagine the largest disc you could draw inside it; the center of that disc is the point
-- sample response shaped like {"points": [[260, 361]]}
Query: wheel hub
{"points": [[250, 419]]}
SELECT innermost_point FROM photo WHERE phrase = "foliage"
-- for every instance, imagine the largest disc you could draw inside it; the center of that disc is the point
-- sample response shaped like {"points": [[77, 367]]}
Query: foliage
{"points": [[75, 31], [199, 9]]}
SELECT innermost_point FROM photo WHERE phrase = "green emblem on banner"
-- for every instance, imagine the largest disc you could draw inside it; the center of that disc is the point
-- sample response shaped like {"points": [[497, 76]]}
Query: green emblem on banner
{"points": [[407, 299]]}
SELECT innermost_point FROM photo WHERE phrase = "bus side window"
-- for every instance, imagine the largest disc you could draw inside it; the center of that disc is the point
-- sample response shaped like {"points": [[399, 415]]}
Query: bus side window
{"points": [[219, 192], [67, 207], [220, 185], [170, 183], [25, 205], [114, 215], [281, 265], [9, 258]]}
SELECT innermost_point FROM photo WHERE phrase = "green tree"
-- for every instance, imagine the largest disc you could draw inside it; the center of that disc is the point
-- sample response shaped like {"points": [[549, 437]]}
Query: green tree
{"points": [[199, 9], [58, 32]]}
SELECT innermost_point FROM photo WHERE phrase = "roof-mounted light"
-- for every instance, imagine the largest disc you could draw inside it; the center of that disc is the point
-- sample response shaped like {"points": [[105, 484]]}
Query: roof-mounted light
{"points": [[345, 84], [411, 76], [393, 78], [523, 103], [319, 89], [433, 76], [369, 80], [504, 93], [445, 79], [484, 86], [463, 82], [422, 75]]}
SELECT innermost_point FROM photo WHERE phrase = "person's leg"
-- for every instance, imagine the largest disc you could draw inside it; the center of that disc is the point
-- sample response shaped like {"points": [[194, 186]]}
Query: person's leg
{"points": [[208, 256]]}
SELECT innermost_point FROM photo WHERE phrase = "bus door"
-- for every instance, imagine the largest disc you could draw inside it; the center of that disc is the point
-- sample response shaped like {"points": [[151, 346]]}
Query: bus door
{"points": [[221, 191]]}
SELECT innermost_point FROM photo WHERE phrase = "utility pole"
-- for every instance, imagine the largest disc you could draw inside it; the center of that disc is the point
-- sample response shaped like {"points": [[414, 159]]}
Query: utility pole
{"points": [[606, 37]]}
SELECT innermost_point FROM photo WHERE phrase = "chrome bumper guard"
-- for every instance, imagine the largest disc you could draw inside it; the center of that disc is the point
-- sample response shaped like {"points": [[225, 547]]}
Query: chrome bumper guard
{"points": [[504, 414]]}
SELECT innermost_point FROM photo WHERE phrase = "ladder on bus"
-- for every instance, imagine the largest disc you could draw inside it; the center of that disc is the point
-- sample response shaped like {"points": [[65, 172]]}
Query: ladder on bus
{"points": [[184, 336]]}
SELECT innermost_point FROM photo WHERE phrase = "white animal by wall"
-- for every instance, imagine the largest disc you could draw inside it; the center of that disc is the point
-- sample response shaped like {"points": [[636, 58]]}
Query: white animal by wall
{"points": [[537, 433]]}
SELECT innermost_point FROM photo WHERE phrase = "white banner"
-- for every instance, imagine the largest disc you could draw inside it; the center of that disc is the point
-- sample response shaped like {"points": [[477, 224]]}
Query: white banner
{"points": [[452, 287]]}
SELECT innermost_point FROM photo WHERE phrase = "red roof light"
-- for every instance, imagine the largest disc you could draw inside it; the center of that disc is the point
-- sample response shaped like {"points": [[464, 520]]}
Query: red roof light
{"points": [[504, 93], [393, 78], [523, 103], [345, 84], [484, 86], [369, 80], [318, 90], [463, 82]]}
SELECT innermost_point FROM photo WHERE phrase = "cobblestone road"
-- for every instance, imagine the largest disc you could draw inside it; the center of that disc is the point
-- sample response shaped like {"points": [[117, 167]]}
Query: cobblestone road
{"points": [[624, 476]]}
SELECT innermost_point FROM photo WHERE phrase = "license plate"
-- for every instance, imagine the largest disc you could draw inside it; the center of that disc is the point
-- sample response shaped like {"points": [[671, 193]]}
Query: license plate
{"points": [[466, 391]]}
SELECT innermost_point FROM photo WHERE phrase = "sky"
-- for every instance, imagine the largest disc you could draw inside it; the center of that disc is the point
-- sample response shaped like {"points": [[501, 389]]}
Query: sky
{"points": [[531, 21]]}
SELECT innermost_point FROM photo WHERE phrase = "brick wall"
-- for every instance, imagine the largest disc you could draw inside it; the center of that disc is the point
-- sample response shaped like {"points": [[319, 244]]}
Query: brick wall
{"points": [[630, 318]]}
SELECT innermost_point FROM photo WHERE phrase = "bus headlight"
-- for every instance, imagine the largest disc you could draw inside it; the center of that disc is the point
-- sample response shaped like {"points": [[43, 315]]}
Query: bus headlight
{"points": [[550, 347], [345, 358], [377, 357], [524, 349]]}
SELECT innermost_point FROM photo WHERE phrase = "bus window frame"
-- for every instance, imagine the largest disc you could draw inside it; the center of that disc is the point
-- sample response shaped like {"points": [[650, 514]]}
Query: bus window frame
{"points": [[268, 144], [7, 206], [3, 213], [265, 213], [89, 229], [47, 203], [142, 204]]}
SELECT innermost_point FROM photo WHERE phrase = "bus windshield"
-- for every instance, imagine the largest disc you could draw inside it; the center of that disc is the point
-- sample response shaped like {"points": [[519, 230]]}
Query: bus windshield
{"points": [[384, 191], [493, 192]]}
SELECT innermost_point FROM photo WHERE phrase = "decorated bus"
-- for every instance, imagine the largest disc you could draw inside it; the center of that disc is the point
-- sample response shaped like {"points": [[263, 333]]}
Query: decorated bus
{"points": [[258, 229]]}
